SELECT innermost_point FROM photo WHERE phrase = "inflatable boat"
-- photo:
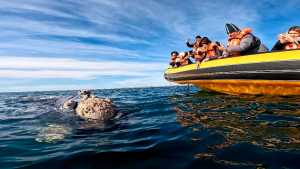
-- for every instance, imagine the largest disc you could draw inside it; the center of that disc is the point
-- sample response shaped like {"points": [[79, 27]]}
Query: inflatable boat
{"points": [[272, 73]]}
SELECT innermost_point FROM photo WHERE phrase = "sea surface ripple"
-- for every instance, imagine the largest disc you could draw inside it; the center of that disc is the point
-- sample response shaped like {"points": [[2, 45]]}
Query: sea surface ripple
{"points": [[166, 127]]}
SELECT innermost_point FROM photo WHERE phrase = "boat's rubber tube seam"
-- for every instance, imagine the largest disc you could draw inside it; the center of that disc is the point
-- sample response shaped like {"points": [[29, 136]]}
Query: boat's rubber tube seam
{"points": [[283, 70]]}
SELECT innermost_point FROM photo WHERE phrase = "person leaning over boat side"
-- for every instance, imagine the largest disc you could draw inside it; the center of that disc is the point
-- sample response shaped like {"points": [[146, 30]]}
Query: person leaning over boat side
{"points": [[184, 59], [174, 59], [242, 42], [210, 50], [289, 40], [198, 54], [196, 44]]}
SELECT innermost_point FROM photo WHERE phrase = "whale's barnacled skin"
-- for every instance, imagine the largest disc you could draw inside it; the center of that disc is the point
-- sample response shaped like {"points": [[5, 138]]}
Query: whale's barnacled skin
{"points": [[96, 109], [91, 107]]}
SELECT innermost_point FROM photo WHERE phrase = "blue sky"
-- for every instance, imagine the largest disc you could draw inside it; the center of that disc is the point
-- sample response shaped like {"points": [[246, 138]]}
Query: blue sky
{"points": [[73, 44]]}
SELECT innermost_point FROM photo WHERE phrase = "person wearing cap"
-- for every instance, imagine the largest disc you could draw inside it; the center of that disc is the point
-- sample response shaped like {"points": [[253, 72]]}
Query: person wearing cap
{"points": [[289, 40], [242, 42]]}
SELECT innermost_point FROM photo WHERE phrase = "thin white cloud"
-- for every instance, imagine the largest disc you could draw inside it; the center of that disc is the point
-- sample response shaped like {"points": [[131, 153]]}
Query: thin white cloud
{"points": [[66, 74], [153, 80], [36, 87], [50, 28], [39, 7], [41, 67], [11, 62], [67, 48]]}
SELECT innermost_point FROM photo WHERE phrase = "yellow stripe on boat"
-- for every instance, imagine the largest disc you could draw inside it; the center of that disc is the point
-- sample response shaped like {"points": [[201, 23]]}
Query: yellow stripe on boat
{"points": [[248, 59], [274, 73]]}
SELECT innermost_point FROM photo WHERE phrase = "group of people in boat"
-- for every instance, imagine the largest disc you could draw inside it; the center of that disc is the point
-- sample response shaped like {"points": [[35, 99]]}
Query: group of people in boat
{"points": [[240, 42]]}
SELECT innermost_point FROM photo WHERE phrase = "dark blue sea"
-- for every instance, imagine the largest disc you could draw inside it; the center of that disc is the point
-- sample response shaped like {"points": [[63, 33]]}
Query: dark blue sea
{"points": [[168, 127]]}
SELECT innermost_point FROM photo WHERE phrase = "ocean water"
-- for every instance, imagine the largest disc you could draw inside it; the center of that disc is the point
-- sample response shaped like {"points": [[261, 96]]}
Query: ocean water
{"points": [[168, 127]]}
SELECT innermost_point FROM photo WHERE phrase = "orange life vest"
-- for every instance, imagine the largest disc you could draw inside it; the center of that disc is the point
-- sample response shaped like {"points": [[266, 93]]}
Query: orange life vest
{"points": [[199, 54], [235, 39], [211, 50]]}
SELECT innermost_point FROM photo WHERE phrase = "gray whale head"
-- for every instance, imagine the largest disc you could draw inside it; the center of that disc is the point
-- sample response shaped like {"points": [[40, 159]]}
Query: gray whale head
{"points": [[96, 109], [90, 107]]}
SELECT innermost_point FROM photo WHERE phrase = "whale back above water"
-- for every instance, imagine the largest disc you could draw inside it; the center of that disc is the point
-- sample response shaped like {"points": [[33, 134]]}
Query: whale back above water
{"points": [[96, 109]]}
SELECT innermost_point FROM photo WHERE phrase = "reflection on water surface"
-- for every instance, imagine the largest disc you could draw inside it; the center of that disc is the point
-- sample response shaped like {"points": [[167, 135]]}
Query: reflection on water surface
{"points": [[271, 123]]}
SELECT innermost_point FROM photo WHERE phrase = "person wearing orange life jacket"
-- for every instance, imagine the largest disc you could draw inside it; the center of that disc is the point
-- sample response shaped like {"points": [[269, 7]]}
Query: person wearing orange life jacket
{"points": [[289, 40], [199, 51], [242, 42], [210, 49], [195, 53], [198, 54]]}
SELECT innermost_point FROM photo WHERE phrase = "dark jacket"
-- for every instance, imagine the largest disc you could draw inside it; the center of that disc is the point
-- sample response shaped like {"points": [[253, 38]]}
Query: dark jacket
{"points": [[278, 46]]}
